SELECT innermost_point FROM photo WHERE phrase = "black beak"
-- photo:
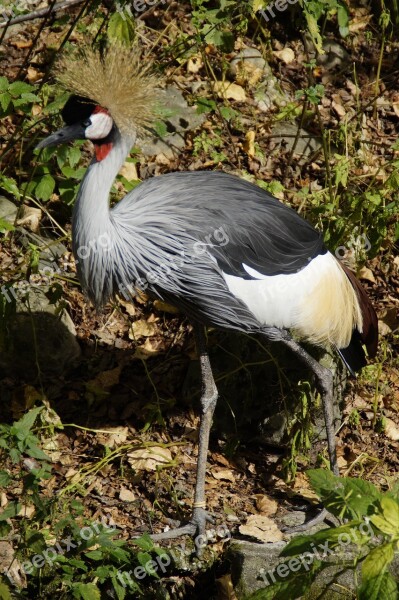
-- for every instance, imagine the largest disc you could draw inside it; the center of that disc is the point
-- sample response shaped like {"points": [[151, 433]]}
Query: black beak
{"points": [[64, 135]]}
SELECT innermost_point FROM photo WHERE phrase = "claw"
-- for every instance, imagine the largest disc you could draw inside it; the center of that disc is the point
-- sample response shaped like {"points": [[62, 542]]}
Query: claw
{"points": [[195, 528]]}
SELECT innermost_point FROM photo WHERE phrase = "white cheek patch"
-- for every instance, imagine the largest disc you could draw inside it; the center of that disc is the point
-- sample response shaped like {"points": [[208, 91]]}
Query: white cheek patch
{"points": [[101, 125]]}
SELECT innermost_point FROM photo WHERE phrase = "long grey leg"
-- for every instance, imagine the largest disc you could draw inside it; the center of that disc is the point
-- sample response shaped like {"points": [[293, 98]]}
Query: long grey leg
{"points": [[208, 402], [325, 385]]}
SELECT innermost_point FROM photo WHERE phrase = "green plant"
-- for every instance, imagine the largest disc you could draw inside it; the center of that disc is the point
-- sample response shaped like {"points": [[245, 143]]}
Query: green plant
{"points": [[367, 542], [62, 550]]}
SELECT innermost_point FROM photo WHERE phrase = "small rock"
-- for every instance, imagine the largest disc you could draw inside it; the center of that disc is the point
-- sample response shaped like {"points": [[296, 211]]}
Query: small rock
{"points": [[8, 210]]}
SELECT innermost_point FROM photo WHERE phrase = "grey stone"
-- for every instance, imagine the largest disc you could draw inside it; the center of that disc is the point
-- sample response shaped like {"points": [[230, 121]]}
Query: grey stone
{"points": [[40, 338], [49, 250], [251, 57], [8, 210], [249, 65], [180, 119], [306, 146], [254, 568]]}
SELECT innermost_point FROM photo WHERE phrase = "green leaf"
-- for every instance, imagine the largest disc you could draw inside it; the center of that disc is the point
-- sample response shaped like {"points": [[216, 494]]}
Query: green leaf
{"points": [[205, 105], [382, 586], [144, 542], [36, 452], [377, 561], [9, 185], [3, 84], [4, 479], [87, 591], [5, 593], [387, 520], [11, 510], [25, 424], [6, 226], [343, 496], [121, 28], [45, 188], [314, 31], [95, 554], [15, 455], [306, 543], [18, 88], [5, 101]]}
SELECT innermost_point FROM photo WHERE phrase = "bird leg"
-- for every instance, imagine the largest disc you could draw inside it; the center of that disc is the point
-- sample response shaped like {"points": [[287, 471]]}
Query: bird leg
{"points": [[325, 385], [209, 396]]}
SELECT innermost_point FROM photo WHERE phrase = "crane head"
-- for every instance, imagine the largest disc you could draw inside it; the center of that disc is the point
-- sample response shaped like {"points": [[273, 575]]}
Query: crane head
{"points": [[85, 120]]}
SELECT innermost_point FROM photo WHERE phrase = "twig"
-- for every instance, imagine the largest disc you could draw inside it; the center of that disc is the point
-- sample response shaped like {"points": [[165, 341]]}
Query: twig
{"points": [[42, 12]]}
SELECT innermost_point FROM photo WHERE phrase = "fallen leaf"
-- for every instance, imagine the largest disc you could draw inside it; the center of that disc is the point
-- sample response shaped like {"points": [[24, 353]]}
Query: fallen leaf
{"points": [[339, 109], [287, 55], [33, 75], [232, 91], [129, 171], [194, 64], [225, 588], [149, 459], [225, 474], [261, 528], [366, 274], [391, 430], [30, 218], [126, 495], [115, 436], [249, 144], [265, 505], [142, 328], [26, 511], [107, 379], [165, 307]]}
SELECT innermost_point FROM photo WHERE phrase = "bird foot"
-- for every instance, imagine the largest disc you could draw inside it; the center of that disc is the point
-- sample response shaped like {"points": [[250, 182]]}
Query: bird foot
{"points": [[318, 518], [195, 528]]}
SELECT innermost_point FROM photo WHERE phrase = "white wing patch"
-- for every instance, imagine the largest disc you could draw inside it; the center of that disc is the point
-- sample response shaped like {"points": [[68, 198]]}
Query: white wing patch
{"points": [[318, 301]]}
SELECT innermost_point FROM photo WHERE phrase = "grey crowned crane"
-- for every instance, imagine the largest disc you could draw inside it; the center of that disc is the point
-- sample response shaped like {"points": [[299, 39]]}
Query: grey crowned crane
{"points": [[225, 252]]}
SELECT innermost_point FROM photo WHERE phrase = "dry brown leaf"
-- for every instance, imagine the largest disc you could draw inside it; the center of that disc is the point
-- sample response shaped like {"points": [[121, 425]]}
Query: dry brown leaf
{"points": [[21, 44], [287, 55], [30, 218], [302, 487], [107, 379], [10, 565], [115, 436], [339, 109], [225, 588], [391, 430], [126, 495], [265, 505], [33, 75], [261, 528], [129, 171], [142, 328], [26, 511], [165, 307], [225, 474], [194, 64], [232, 91], [249, 144], [148, 459], [366, 274]]}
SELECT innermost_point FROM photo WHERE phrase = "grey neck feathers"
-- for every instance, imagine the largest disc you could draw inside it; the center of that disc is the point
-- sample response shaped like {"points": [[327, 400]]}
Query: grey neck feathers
{"points": [[92, 224]]}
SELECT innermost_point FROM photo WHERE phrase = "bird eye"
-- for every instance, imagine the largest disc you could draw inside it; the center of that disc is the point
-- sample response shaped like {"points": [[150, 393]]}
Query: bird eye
{"points": [[86, 123]]}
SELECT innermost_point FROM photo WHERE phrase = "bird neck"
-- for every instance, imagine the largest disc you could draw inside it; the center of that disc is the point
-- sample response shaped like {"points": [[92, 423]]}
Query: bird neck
{"points": [[91, 216]]}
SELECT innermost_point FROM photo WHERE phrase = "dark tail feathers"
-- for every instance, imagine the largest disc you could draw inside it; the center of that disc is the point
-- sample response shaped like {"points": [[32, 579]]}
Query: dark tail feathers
{"points": [[353, 355]]}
